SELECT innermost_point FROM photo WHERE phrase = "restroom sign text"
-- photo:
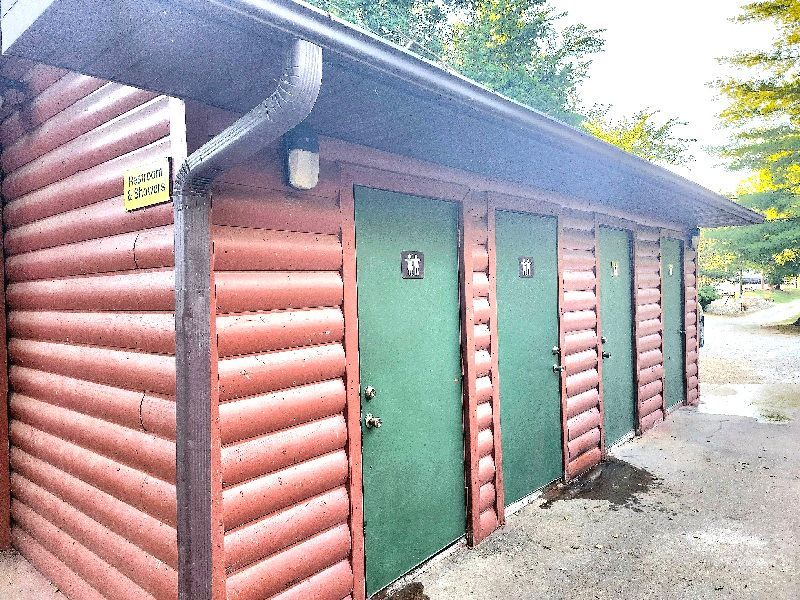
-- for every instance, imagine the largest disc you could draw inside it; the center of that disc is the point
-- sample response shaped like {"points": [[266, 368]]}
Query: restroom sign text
{"points": [[147, 185], [412, 264]]}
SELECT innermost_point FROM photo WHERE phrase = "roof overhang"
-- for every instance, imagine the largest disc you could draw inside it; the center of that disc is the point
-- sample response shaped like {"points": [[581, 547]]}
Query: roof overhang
{"points": [[226, 53]]}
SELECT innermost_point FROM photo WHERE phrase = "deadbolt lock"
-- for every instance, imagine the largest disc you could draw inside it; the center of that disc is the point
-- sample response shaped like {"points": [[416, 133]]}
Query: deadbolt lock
{"points": [[370, 392], [556, 350], [371, 421]]}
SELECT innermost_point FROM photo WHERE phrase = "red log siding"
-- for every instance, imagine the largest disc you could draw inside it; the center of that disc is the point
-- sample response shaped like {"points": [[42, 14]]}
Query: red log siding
{"points": [[280, 335], [649, 327], [580, 344], [91, 338], [692, 324], [479, 347]]}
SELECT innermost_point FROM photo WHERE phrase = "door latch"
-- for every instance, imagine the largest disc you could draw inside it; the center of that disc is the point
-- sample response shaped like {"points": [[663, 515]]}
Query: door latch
{"points": [[371, 421]]}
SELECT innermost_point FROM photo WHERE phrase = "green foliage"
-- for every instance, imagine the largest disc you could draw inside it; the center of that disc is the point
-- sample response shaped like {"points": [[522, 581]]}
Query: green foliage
{"points": [[419, 25], [763, 113], [718, 258], [641, 134], [777, 296], [521, 49], [706, 295], [515, 48]]}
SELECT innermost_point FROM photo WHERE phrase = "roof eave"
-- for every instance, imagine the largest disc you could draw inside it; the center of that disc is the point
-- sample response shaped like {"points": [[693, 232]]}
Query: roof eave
{"points": [[295, 19]]}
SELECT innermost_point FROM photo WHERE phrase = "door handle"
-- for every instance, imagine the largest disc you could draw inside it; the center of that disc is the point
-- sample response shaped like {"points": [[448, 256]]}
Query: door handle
{"points": [[606, 354], [559, 368], [371, 421]]}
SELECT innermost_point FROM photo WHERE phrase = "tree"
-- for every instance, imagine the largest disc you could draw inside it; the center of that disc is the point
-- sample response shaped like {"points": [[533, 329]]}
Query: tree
{"points": [[516, 48], [513, 47], [419, 25], [763, 113], [642, 134], [718, 258]]}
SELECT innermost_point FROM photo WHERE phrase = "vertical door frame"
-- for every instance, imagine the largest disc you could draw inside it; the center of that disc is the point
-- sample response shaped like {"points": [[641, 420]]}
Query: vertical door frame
{"points": [[634, 330], [637, 379], [466, 230], [562, 337], [645, 234], [352, 382], [680, 238], [351, 176], [5, 442], [696, 314], [599, 332], [491, 246], [539, 208], [630, 228]]}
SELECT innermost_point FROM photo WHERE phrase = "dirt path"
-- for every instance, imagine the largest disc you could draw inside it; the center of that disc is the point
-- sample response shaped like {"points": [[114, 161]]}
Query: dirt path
{"points": [[753, 348]]}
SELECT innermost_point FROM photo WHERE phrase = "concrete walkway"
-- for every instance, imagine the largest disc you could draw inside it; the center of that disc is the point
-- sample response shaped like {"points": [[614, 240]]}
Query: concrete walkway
{"points": [[707, 505], [20, 581]]}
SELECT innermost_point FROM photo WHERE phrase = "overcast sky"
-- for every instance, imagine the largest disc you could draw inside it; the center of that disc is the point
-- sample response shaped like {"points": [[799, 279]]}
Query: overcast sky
{"points": [[662, 55]]}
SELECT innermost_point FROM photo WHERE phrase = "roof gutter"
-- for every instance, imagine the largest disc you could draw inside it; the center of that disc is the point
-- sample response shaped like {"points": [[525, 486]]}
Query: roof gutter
{"points": [[200, 567], [300, 20]]}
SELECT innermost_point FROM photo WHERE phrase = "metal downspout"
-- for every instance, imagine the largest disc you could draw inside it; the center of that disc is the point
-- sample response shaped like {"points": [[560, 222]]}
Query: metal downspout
{"points": [[195, 366]]}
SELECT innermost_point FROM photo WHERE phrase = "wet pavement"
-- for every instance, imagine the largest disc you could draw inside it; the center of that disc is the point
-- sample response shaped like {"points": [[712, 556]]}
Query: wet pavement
{"points": [[619, 483], [703, 506]]}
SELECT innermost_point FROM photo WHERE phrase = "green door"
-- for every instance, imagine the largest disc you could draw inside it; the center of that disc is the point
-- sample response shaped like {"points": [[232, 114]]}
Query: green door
{"points": [[672, 305], [409, 351], [616, 320], [527, 321]]}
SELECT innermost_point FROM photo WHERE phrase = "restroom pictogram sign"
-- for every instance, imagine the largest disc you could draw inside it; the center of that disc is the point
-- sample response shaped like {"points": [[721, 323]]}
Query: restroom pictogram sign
{"points": [[412, 264], [526, 267]]}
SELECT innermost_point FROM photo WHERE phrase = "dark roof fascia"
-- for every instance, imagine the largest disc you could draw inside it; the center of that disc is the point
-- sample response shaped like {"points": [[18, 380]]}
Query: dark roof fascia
{"points": [[301, 20]]}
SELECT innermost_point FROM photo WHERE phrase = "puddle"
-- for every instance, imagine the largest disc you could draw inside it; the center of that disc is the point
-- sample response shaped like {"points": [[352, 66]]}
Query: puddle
{"points": [[764, 403], [412, 591], [616, 481]]}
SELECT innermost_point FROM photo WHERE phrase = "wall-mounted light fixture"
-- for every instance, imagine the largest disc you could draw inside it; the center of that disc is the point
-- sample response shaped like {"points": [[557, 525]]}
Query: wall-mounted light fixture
{"points": [[695, 235], [302, 157]]}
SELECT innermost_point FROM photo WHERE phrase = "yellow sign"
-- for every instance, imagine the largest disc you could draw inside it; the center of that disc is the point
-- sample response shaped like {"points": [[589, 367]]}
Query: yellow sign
{"points": [[147, 185]]}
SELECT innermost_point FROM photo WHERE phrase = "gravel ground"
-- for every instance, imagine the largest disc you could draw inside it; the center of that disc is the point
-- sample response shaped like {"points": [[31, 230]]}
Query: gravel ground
{"points": [[752, 348], [729, 306]]}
